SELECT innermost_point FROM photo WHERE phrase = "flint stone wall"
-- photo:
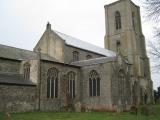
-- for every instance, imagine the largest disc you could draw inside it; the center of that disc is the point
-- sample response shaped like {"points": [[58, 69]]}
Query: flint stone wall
{"points": [[14, 98]]}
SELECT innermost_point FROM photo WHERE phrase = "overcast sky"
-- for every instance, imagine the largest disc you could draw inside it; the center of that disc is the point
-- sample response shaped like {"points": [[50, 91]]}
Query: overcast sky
{"points": [[22, 22]]}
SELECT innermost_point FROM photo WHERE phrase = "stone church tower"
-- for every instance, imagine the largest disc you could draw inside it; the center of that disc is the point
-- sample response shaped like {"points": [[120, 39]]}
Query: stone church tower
{"points": [[124, 31]]}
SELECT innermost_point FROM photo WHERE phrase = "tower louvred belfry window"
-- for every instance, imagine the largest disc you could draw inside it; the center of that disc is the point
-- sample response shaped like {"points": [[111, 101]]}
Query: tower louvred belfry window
{"points": [[117, 20]]}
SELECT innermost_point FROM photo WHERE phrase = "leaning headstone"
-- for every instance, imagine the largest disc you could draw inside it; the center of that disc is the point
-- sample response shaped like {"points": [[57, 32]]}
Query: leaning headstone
{"points": [[119, 107], [7, 116], [147, 110], [134, 110], [87, 110], [77, 107]]}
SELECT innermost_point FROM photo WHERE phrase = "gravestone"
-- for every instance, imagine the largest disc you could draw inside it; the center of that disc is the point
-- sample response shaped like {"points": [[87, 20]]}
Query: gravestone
{"points": [[147, 110]]}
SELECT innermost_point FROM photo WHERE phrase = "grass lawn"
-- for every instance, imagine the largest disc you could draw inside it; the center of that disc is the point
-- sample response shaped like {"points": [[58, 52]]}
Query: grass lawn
{"points": [[82, 116]]}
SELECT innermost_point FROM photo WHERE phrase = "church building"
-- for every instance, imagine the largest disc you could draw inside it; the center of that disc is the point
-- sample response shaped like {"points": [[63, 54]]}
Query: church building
{"points": [[63, 72]]}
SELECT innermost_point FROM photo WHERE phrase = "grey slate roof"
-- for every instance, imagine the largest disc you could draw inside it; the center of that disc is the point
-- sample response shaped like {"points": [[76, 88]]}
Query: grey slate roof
{"points": [[21, 54], [84, 45], [94, 61], [15, 79]]}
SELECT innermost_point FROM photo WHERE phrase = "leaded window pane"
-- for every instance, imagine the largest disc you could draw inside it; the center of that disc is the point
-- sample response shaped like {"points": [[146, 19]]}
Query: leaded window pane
{"points": [[52, 87], [90, 87], [94, 87], [52, 83], [70, 91], [73, 88], [98, 87], [56, 87], [71, 84], [48, 87]]}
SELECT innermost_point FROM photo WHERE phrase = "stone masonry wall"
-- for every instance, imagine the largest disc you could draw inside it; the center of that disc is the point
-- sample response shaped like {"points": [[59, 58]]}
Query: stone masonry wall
{"points": [[102, 102], [49, 104], [33, 69], [9, 66], [82, 54], [17, 98]]}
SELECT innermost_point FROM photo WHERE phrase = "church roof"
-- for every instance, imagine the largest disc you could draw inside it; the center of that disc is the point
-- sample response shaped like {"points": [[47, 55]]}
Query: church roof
{"points": [[69, 40], [15, 79], [21, 54], [94, 61]]}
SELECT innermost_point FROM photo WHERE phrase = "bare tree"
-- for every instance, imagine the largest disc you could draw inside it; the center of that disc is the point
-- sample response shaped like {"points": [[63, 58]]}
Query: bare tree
{"points": [[152, 8], [154, 51]]}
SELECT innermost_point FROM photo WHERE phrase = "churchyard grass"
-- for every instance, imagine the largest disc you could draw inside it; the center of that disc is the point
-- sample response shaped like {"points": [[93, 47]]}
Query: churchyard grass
{"points": [[83, 116]]}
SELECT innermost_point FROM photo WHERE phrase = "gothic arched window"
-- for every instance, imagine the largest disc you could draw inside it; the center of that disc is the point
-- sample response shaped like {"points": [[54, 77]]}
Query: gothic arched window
{"points": [[71, 84], [94, 83], [88, 57], [26, 69], [121, 83], [134, 92], [117, 20], [75, 56], [52, 83]]}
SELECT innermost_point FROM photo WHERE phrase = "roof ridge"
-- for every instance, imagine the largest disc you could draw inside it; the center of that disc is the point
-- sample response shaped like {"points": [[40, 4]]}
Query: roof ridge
{"points": [[17, 48], [98, 58], [78, 39]]}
